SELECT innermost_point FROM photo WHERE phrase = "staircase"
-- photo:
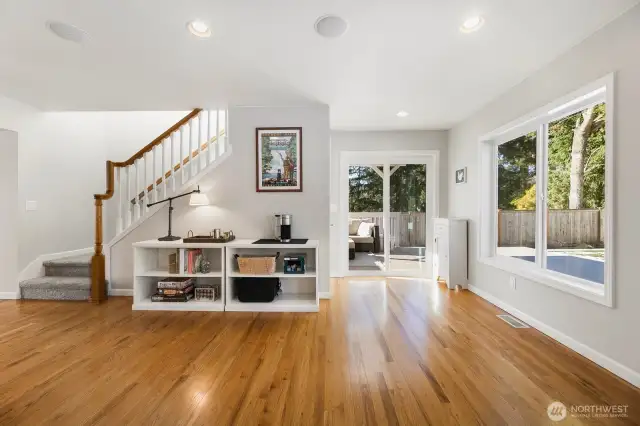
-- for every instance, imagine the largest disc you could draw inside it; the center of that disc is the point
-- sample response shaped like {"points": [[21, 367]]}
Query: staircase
{"points": [[169, 165], [65, 279]]}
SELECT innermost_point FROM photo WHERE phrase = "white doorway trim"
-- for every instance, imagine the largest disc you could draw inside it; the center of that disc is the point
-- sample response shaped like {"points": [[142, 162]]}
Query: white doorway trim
{"points": [[386, 158]]}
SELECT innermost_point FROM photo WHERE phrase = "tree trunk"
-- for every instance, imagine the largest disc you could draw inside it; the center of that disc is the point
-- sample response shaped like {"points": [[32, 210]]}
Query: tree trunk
{"points": [[581, 134]]}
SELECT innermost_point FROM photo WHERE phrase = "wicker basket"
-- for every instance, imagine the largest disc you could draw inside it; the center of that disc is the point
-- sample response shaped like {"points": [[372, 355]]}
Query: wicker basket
{"points": [[257, 265]]}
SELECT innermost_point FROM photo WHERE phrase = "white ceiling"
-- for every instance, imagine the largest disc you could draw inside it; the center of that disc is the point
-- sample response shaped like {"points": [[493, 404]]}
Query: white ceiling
{"points": [[397, 54]]}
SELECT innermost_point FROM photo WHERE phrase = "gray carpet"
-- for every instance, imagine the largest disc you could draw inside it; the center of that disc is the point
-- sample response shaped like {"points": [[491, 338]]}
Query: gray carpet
{"points": [[65, 279]]}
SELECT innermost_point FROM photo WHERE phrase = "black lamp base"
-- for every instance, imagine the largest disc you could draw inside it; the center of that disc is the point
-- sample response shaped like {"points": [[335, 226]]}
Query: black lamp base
{"points": [[169, 238]]}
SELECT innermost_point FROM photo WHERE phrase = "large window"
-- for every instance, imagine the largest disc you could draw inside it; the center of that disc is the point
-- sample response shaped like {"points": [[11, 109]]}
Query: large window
{"points": [[516, 185], [549, 217]]}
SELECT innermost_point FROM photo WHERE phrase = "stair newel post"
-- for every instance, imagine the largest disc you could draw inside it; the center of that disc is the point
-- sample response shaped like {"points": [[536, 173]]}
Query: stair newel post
{"points": [[98, 287], [98, 261]]}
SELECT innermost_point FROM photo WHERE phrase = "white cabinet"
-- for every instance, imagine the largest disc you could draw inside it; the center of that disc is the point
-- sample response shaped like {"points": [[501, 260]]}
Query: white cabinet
{"points": [[450, 259], [151, 264], [299, 291]]}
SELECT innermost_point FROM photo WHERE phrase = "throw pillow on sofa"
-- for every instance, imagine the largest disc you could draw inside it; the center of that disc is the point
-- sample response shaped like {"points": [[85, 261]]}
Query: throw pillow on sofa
{"points": [[364, 230], [354, 225]]}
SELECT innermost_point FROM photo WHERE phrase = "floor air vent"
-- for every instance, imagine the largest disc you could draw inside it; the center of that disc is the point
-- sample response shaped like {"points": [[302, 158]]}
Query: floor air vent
{"points": [[513, 321]]}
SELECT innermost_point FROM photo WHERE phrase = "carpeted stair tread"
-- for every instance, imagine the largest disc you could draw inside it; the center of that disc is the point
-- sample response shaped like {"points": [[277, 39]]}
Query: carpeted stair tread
{"points": [[76, 266], [62, 283], [84, 260]]}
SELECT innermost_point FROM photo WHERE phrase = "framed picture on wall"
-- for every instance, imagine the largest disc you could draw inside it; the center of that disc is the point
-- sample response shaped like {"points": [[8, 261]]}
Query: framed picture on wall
{"points": [[278, 159], [461, 175]]}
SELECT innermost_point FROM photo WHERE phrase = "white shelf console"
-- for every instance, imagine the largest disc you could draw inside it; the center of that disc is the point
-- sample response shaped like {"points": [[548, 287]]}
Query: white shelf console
{"points": [[151, 264], [299, 291]]}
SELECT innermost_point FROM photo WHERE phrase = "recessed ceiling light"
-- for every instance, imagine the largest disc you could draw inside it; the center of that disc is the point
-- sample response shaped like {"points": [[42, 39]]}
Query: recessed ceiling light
{"points": [[199, 29], [474, 23], [402, 114], [331, 26], [67, 32]]}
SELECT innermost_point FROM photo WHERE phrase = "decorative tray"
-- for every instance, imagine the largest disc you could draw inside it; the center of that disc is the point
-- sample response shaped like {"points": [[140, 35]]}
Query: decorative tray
{"points": [[207, 239]]}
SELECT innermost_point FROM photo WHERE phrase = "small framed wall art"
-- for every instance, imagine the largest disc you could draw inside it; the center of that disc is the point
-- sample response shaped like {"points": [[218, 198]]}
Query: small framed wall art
{"points": [[461, 175], [279, 159]]}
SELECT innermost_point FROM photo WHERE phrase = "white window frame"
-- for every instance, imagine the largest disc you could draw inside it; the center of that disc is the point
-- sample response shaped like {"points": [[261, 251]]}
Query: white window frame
{"points": [[589, 95]]}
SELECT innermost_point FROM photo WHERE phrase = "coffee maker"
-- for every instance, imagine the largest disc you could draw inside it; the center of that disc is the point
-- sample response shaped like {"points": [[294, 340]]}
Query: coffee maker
{"points": [[282, 227]]}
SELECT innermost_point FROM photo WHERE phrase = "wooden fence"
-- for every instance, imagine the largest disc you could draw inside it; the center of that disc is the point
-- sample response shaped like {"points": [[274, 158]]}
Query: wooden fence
{"points": [[407, 229], [566, 228]]}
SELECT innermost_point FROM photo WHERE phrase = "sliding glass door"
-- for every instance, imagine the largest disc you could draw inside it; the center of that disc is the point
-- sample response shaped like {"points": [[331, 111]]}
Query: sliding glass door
{"points": [[366, 225], [388, 203], [408, 218]]}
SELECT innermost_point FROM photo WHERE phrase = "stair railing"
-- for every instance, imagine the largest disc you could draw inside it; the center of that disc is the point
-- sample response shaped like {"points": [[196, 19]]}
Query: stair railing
{"points": [[187, 147]]}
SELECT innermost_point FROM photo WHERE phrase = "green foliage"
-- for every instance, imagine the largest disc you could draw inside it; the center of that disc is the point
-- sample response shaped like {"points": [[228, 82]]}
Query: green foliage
{"points": [[517, 160], [560, 141], [527, 201], [407, 189], [365, 190], [516, 169]]}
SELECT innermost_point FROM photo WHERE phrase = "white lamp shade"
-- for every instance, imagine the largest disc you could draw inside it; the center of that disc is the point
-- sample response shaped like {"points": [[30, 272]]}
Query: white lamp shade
{"points": [[199, 199]]}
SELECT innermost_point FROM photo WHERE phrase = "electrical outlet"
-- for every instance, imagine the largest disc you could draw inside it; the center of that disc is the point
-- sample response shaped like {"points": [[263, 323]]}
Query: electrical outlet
{"points": [[512, 282]]}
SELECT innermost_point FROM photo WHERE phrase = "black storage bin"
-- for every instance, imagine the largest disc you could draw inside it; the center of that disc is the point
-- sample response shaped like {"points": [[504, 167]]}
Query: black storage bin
{"points": [[257, 290]]}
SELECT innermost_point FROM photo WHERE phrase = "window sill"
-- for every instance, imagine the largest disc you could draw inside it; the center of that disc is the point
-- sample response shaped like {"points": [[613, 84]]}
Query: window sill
{"points": [[530, 271]]}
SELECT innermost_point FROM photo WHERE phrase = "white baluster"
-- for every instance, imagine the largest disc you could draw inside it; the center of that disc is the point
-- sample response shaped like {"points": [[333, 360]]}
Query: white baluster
{"points": [[218, 144], [223, 131], [119, 189], [183, 168], [153, 195], [226, 129], [211, 151], [145, 194], [127, 190], [136, 191], [173, 161], [213, 144], [163, 170], [201, 142], [192, 147]]}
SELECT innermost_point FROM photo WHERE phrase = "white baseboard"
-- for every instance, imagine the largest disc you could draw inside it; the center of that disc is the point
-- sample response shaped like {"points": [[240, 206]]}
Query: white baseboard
{"points": [[120, 292], [324, 294], [602, 360], [9, 295], [35, 268]]}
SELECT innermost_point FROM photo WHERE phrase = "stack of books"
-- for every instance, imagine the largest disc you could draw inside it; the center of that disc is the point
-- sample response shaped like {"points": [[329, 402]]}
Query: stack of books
{"points": [[193, 259], [174, 290]]}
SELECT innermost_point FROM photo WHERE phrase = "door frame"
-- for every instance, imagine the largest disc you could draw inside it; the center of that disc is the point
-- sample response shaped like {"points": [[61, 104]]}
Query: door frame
{"points": [[431, 158]]}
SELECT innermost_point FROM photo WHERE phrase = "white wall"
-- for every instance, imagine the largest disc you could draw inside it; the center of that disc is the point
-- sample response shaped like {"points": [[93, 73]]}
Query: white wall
{"points": [[9, 214], [61, 160], [231, 189], [605, 330], [381, 141]]}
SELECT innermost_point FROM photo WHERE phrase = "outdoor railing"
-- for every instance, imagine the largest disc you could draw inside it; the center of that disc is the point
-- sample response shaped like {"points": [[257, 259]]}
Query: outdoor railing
{"points": [[406, 229]]}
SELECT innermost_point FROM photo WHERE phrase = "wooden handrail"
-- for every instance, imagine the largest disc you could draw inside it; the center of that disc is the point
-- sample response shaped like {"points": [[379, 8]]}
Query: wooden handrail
{"points": [[177, 167], [98, 284], [162, 137]]}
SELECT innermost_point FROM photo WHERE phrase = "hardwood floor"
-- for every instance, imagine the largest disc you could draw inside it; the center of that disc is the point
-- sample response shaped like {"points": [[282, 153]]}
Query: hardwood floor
{"points": [[397, 352]]}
